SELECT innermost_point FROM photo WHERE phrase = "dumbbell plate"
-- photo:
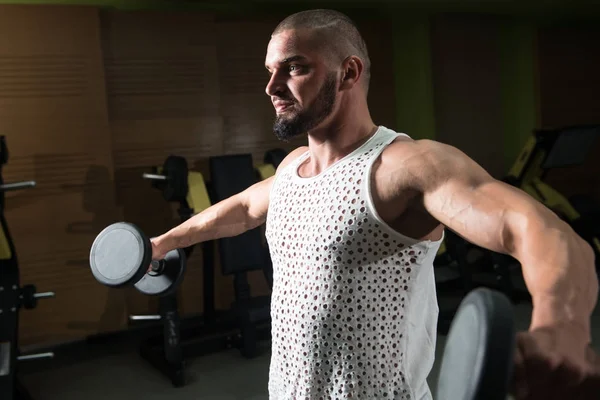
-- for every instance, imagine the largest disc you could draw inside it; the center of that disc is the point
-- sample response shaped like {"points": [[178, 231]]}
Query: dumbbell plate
{"points": [[120, 255], [168, 280], [478, 356]]}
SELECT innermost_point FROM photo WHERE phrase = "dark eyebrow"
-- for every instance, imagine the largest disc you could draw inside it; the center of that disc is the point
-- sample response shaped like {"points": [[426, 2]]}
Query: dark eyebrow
{"points": [[290, 59]]}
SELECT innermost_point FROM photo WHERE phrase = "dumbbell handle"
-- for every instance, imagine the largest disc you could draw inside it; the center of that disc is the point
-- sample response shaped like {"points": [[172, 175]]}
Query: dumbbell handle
{"points": [[145, 317], [44, 295], [154, 177], [35, 356], [157, 267], [16, 186]]}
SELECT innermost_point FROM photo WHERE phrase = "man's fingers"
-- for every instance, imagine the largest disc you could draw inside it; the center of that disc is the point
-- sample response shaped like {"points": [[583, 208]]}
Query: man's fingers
{"points": [[542, 373], [536, 368]]}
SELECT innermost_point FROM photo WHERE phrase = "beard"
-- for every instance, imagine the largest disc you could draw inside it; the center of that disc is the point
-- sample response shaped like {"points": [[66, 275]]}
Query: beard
{"points": [[287, 127]]}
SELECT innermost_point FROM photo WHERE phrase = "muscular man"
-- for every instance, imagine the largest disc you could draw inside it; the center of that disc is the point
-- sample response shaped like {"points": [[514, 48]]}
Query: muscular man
{"points": [[354, 221]]}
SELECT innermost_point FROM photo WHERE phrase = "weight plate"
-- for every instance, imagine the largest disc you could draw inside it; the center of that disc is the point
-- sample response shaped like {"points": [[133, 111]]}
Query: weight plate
{"points": [[120, 255], [168, 281], [478, 355]]}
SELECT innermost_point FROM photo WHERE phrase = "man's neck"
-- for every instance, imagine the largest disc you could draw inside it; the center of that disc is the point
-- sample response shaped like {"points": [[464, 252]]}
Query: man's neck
{"points": [[337, 140]]}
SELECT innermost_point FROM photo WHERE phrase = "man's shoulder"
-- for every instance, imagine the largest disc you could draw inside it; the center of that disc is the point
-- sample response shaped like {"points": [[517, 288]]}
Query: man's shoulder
{"points": [[422, 162], [409, 145], [405, 151]]}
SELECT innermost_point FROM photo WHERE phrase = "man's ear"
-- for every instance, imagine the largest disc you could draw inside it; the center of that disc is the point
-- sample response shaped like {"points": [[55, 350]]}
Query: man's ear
{"points": [[352, 69]]}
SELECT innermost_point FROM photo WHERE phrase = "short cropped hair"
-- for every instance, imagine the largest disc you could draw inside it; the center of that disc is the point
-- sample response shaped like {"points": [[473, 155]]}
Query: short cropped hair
{"points": [[338, 34]]}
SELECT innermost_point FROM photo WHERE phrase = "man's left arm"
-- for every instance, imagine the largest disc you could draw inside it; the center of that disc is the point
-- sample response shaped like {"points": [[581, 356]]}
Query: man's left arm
{"points": [[557, 264]]}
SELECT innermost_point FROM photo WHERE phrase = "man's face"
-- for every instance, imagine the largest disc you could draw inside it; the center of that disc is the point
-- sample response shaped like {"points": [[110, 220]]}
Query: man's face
{"points": [[302, 87]]}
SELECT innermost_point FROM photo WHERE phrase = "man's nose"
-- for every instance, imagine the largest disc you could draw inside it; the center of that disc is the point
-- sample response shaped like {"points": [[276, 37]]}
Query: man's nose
{"points": [[275, 86]]}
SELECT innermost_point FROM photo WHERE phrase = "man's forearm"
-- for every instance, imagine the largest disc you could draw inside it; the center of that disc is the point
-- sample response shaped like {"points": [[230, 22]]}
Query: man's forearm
{"points": [[558, 267], [224, 219]]}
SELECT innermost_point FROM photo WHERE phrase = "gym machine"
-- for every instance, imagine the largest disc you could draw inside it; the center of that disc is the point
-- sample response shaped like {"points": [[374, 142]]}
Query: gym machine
{"points": [[13, 297], [271, 161], [166, 352], [244, 253], [548, 149], [121, 256]]}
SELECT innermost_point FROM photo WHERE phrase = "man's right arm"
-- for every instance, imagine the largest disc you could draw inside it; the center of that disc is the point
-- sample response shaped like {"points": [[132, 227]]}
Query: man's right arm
{"points": [[230, 217]]}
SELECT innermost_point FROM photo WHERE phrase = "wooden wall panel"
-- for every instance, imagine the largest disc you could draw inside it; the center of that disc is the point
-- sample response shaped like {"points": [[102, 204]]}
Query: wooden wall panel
{"points": [[569, 61], [467, 91], [53, 113]]}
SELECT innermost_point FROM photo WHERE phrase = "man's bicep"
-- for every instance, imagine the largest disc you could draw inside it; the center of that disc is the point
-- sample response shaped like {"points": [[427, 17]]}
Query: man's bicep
{"points": [[256, 201], [475, 213], [481, 209]]}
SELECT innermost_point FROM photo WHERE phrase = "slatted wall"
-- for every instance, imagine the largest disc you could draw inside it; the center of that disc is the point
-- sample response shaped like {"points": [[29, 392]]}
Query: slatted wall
{"points": [[53, 113]]}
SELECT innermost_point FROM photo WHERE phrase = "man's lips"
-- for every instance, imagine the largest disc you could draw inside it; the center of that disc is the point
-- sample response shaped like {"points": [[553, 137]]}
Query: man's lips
{"points": [[281, 105]]}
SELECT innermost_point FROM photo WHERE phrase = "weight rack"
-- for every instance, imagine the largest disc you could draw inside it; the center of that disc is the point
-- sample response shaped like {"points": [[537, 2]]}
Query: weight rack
{"points": [[13, 297]]}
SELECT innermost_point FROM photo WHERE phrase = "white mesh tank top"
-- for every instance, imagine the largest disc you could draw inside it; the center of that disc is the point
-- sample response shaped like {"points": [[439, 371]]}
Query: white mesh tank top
{"points": [[354, 309]]}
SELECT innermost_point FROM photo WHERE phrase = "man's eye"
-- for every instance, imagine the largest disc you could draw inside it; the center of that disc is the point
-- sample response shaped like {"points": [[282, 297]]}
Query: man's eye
{"points": [[293, 68]]}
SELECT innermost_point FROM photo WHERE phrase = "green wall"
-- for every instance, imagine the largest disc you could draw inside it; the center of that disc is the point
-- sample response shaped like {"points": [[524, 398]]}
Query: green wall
{"points": [[415, 114], [517, 54]]}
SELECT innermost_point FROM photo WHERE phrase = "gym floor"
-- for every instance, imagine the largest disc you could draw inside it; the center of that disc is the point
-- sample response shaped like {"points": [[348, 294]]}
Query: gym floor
{"points": [[115, 372]]}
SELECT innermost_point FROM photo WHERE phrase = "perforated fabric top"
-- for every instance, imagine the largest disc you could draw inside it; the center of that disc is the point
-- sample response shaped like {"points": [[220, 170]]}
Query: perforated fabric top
{"points": [[354, 310]]}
